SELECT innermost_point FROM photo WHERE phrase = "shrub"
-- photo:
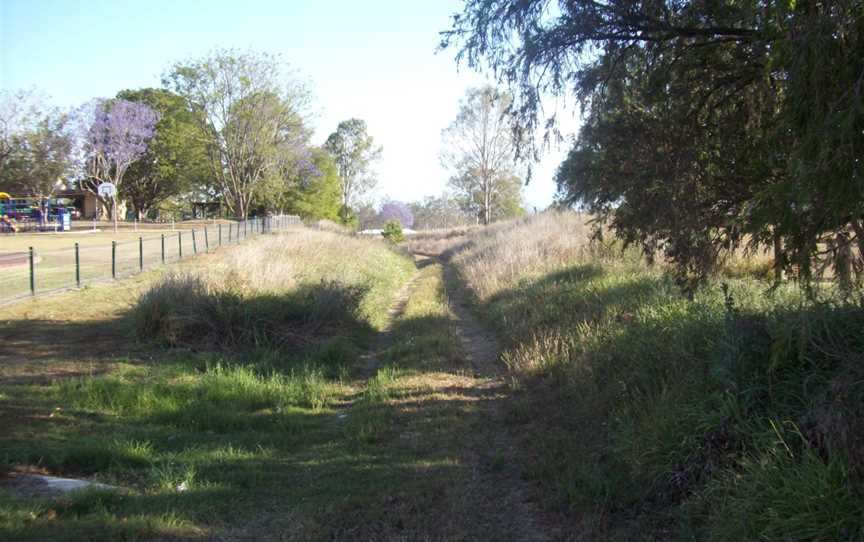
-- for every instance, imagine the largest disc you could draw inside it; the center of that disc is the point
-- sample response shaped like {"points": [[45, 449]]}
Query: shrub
{"points": [[393, 231], [286, 291]]}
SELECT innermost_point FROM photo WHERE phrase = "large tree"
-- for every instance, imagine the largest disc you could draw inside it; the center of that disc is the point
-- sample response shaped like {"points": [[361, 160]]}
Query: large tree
{"points": [[706, 121], [480, 150], [251, 119], [175, 161], [354, 151], [115, 135], [35, 145]]}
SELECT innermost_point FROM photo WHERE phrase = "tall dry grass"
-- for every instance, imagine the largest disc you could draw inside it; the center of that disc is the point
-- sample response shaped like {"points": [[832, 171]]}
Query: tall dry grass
{"points": [[500, 256], [277, 290], [732, 415]]}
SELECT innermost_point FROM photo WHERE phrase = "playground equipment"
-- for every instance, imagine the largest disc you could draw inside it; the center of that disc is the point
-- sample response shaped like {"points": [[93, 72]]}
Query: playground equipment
{"points": [[41, 214]]}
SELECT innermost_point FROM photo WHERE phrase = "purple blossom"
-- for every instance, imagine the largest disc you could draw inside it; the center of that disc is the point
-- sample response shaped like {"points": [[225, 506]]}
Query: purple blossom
{"points": [[396, 210], [117, 136]]}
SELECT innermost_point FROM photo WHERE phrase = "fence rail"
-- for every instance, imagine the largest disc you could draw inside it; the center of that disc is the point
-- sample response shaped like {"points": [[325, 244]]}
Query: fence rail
{"points": [[34, 272]]}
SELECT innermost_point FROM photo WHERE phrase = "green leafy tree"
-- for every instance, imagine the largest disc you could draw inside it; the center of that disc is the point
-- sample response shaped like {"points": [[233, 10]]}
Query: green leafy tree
{"points": [[37, 146], [251, 120], [392, 231], [354, 151], [709, 124], [318, 195], [175, 162]]}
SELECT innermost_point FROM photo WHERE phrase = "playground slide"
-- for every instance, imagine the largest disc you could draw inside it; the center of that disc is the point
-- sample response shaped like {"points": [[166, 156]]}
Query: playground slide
{"points": [[8, 224]]}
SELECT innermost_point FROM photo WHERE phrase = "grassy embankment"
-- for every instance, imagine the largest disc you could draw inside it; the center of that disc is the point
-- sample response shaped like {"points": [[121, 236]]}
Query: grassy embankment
{"points": [[735, 416], [212, 396]]}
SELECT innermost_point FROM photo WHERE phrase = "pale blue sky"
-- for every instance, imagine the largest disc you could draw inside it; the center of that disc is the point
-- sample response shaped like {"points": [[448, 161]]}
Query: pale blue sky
{"points": [[373, 60]]}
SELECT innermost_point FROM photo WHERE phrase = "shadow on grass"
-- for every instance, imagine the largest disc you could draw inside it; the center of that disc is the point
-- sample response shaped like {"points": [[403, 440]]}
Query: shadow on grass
{"points": [[390, 468], [255, 451]]}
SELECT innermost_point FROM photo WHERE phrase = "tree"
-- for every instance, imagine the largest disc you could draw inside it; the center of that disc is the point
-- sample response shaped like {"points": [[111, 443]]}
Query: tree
{"points": [[396, 211], [175, 160], [354, 151], [709, 124], [480, 150], [251, 119], [116, 135], [439, 212], [35, 146], [317, 195]]}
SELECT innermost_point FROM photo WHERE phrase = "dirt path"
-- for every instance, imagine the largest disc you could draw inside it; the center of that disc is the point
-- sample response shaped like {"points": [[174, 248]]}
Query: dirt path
{"points": [[482, 348], [400, 300]]}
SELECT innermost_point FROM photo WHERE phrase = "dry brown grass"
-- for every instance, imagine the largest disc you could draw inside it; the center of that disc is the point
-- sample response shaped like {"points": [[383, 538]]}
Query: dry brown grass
{"points": [[500, 256], [279, 290], [434, 242]]}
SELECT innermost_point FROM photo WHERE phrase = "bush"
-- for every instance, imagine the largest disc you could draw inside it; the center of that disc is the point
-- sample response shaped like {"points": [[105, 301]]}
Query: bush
{"points": [[393, 231], [277, 292]]}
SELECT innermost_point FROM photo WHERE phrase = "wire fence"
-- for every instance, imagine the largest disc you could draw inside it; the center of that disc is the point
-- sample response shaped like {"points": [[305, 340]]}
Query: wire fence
{"points": [[34, 272]]}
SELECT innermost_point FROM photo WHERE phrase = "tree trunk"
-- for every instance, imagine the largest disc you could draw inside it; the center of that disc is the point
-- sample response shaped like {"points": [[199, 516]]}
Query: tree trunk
{"points": [[778, 258]]}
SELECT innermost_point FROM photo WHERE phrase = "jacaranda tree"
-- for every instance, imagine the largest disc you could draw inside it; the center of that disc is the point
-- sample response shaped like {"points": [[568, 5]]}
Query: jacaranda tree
{"points": [[115, 136]]}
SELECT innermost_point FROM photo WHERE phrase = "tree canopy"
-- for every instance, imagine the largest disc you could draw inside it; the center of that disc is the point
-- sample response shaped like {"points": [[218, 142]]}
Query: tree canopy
{"points": [[175, 161], [251, 119], [354, 151], [480, 150], [708, 125], [36, 145]]}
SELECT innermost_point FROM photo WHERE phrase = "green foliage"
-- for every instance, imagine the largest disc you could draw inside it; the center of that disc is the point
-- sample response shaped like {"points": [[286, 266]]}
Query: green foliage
{"points": [[317, 196], [176, 159], [348, 217], [733, 412], [35, 146], [354, 151], [251, 121], [709, 125], [392, 231]]}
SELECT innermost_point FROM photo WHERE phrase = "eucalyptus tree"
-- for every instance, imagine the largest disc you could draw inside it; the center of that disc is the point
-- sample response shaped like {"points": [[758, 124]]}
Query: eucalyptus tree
{"points": [[354, 151], [479, 148], [251, 119]]}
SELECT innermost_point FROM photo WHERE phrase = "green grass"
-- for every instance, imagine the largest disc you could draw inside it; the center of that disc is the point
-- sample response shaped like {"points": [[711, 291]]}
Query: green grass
{"points": [[55, 254], [258, 441], [733, 416], [223, 440]]}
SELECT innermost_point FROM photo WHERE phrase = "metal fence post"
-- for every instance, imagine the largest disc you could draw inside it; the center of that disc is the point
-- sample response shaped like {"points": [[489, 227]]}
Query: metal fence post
{"points": [[113, 259], [180, 245], [220, 234], [163, 248], [194, 243], [230, 228], [32, 273], [206, 240], [77, 267], [140, 254]]}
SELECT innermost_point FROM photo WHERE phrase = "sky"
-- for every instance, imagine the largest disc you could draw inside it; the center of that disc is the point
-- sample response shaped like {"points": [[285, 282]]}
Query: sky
{"points": [[375, 60]]}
